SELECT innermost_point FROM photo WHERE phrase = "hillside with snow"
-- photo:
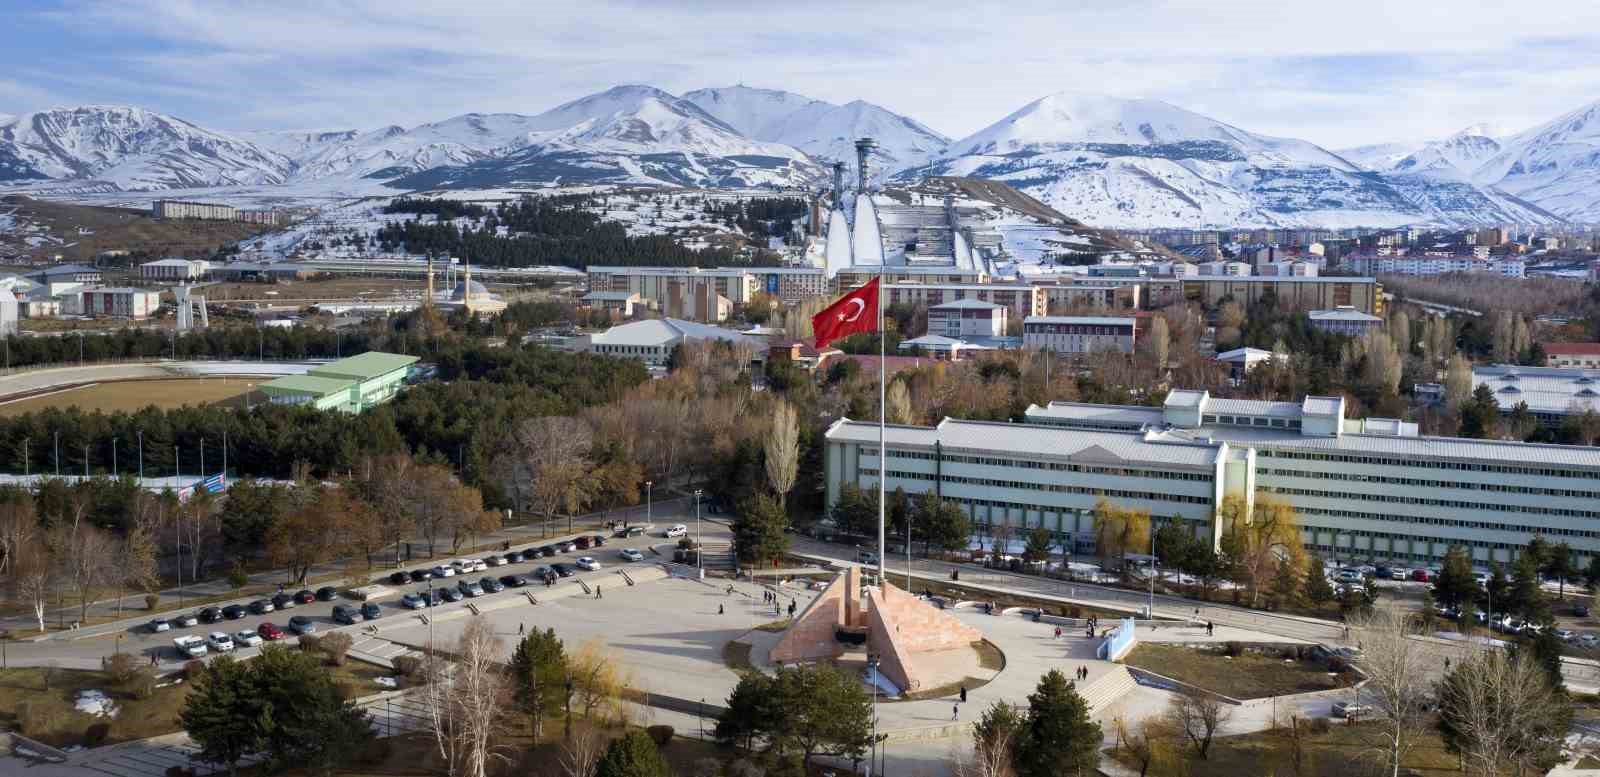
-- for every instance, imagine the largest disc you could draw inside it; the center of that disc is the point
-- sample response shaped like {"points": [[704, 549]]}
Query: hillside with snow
{"points": [[825, 131], [1556, 165]]}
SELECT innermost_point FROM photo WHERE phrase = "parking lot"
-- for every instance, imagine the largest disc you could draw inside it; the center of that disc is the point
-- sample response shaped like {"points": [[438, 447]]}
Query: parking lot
{"points": [[390, 598]]}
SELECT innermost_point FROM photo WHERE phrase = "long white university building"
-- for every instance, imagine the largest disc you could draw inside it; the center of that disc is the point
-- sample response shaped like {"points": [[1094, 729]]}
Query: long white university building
{"points": [[1363, 488]]}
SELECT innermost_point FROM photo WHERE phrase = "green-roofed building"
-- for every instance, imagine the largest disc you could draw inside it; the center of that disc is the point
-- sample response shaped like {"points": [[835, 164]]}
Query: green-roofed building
{"points": [[351, 385]]}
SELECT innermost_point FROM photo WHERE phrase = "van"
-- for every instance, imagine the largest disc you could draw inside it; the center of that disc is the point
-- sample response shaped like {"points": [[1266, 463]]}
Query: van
{"points": [[1351, 710], [866, 557]]}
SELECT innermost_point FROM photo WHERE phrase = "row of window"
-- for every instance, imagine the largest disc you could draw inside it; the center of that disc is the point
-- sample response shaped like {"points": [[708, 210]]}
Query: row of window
{"points": [[1463, 485], [1431, 521], [1250, 420], [1412, 500], [1053, 466], [1430, 464], [1055, 489]]}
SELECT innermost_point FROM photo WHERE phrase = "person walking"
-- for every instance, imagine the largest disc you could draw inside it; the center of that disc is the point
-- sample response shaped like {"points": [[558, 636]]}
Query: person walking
{"points": [[719, 609], [963, 693], [791, 608], [1058, 633], [955, 712], [597, 591]]}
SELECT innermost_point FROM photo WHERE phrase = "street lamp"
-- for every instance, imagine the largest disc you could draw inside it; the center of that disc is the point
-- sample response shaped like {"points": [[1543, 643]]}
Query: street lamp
{"points": [[113, 456], [57, 454], [141, 458], [568, 733], [699, 537], [872, 665], [649, 488]]}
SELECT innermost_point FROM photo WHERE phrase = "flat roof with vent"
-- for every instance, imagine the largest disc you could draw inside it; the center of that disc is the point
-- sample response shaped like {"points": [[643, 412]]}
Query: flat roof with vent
{"points": [[367, 366]]}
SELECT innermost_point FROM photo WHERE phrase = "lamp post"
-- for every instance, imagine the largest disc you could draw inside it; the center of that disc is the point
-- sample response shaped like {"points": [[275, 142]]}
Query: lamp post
{"points": [[1150, 612], [872, 665], [27, 444], [649, 489], [141, 458], [113, 456], [699, 537], [57, 454], [568, 733]]}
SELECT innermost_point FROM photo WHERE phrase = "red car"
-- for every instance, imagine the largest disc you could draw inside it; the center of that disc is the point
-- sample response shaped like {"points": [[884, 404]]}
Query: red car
{"points": [[270, 632], [1419, 575], [583, 543], [305, 597]]}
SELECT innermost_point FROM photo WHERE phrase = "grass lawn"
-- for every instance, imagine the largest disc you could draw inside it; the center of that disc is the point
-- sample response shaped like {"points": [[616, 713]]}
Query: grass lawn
{"points": [[1342, 750], [133, 395], [1248, 676], [47, 714]]}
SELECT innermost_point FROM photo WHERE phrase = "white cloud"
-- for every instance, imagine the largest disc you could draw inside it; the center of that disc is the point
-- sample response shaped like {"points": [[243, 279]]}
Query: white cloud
{"points": [[1334, 73]]}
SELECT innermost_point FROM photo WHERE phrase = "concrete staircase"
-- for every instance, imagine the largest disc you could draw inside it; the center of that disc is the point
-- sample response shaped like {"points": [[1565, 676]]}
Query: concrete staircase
{"points": [[718, 556], [1107, 689]]}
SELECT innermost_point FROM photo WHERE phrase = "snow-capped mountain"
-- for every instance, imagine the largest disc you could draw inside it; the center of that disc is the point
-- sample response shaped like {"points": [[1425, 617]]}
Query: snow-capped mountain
{"points": [[825, 131], [1144, 163], [131, 149], [633, 134], [1556, 165], [1454, 158]]}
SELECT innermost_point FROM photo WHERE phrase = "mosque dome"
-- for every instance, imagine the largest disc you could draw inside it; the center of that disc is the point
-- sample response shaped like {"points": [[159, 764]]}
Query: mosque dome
{"points": [[464, 288]]}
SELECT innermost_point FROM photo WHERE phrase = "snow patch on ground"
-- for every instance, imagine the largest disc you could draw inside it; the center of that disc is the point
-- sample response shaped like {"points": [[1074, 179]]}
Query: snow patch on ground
{"points": [[95, 702]]}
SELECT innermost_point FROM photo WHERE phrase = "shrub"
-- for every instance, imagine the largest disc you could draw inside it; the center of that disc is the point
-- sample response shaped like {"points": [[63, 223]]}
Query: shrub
{"points": [[36, 720], [408, 666], [661, 735], [122, 667], [143, 683], [347, 689], [151, 601], [1233, 648], [1320, 726], [336, 646], [1337, 664], [310, 643], [193, 669], [96, 734]]}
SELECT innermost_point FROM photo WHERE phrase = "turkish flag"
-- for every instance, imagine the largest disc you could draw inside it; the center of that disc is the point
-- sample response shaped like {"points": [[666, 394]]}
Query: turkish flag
{"points": [[854, 312]]}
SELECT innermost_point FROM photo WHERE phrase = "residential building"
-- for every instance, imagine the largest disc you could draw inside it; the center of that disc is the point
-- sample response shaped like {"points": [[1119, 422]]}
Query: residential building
{"points": [[791, 284], [64, 276], [1291, 293], [941, 347], [177, 209], [1241, 361], [968, 318], [350, 385], [800, 353], [1361, 488], [174, 269], [700, 294], [851, 277], [652, 340], [1079, 334], [1584, 355], [1093, 295], [1343, 320]]}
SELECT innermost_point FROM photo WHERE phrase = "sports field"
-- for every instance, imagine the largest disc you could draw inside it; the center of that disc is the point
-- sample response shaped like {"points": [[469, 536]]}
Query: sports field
{"points": [[135, 394]]}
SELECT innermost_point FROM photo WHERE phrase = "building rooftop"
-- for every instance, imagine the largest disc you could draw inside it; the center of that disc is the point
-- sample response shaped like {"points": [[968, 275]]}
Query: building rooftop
{"points": [[170, 262], [610, 296], [365, 366], [1549, 390], [316, 385], [1342, 314], [1572, 349], [656, 331], [1278, 279], [64, 269], [1035, 441], [1243, 354]]}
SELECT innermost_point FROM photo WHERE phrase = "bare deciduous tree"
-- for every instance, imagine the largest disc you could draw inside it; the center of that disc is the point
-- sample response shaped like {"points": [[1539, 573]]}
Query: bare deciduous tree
{"points": [[1197, 716], [544, 464], [464, 700], [1394, 662], [136, 554], [1501, 713], [580, 754], [783, 450], [33, 578]]}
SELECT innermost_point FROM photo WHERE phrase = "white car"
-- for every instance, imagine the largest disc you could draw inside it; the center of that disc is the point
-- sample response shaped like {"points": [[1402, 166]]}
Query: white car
{"points": [[587, 562], [444, 571], [220, 641], [159, 625], [1589, 639], [1565, 635], [247, 638], [629, 554], [678, 530], [493, 561], [190, 646]]}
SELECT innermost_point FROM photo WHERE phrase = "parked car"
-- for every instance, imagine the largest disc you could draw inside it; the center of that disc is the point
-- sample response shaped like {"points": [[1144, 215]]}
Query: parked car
{"points": [[283, 601], [399, 578], [677, 530], [1589, 640], [449, 594], [491, 585], [269, 632], [583, 543], [1580, 611], [435, 596], [1350, 710], [493, 561], [598, 540], [630, 554], [567, 547], [306, 596], [514, 581], [233, 612], [247, 638], [561, 570], [444, 571], [1382, 572], [588, 563], [540, 572], [186, 620], [344, 614], [189, 646], [261, 607], [515, 556], [220, 641], [1420, 575], [462, 566], [413, 601], [1399, 573], [371, 611], [302, 624], [633, 531], [327, 593], [159, 625], [210, 615], [1565, 635], [469, 589], [421, 575]]}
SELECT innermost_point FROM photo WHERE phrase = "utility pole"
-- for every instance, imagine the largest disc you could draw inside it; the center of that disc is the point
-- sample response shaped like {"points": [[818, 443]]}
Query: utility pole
{"points": [[141, 458], [58, 454], [113, 456], [699, 538]]}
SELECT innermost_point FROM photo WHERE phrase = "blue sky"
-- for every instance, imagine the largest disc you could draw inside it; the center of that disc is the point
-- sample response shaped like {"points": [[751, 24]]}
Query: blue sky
{"points": [[1336, 74]]}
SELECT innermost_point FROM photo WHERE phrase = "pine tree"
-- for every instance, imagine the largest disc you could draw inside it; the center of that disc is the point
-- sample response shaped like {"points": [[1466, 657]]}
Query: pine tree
{"points": [[1317, 589], [633, 755], [538, 670], [224, 715], [1059, 739]]}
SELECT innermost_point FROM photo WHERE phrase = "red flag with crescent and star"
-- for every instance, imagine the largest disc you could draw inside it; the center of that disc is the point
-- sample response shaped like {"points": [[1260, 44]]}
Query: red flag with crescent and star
{"points": [[853, 313]]}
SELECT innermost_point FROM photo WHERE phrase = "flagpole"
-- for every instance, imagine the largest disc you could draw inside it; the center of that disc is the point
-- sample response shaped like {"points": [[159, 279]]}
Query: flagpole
{"points": [[883, 448]]}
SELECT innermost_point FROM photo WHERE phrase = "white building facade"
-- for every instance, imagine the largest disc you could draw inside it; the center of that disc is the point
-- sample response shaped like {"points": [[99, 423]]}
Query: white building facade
{"points": [[1362, 488], [1079, 334]]}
